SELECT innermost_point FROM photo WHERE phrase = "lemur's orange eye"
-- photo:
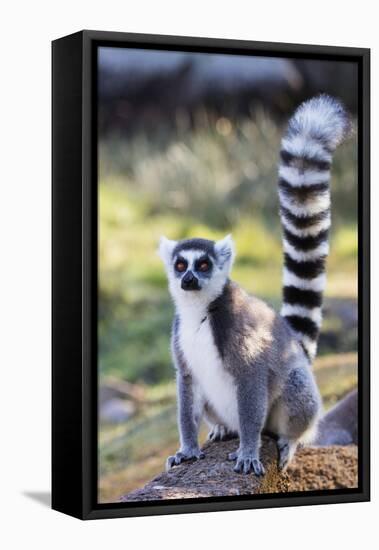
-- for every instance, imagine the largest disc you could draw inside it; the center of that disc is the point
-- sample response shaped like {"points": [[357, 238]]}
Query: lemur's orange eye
{"points": [[180, 266], [204, 266]]}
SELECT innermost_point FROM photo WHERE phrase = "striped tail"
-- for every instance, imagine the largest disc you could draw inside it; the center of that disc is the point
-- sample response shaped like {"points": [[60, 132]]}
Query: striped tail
{"points": [[315, 130]]}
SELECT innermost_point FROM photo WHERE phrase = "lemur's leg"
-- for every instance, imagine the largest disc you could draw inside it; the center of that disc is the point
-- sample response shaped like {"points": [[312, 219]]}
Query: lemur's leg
{"points": [[218, 430], [295, 414], [252, 411], [190, 403]]}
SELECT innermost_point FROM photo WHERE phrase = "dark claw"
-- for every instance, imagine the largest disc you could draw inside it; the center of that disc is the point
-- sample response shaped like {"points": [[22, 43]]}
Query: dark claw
{"points": [[170, 462], [246, 465], [283, 463], [179, 457], [258, 467]]}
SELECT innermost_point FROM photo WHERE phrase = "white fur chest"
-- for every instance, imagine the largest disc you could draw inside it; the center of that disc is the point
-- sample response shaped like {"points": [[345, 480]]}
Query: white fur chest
{"points": [[212, 380]]}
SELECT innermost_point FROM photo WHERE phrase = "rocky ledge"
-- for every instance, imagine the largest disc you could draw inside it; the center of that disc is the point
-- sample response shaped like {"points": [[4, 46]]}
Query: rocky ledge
{"points": [[313, 468]]}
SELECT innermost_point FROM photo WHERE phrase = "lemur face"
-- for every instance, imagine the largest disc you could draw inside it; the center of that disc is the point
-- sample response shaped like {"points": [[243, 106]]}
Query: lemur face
{"points": [[197, 266], [193, 268]]}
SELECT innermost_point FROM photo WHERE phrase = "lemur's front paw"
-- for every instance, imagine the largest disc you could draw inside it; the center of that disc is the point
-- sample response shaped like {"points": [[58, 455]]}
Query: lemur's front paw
{"points": [[247, 462], [219, 432], [182, 456]]}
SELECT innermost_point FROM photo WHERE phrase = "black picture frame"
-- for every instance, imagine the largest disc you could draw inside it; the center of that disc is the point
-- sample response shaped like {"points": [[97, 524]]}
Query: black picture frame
{"points": [[74, 274]]}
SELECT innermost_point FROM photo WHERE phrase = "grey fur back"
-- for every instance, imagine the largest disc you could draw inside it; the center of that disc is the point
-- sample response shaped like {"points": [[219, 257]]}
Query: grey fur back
{"points": [[248, 332]]}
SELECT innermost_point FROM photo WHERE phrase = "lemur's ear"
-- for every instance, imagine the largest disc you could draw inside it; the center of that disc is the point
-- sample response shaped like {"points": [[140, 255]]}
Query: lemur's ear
{"points": [[165, 249], [225, 250]]}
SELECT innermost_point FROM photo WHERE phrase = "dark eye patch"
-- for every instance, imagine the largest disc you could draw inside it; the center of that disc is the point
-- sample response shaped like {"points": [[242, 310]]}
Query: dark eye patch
{"points": [[203, 264], [181, 265]]}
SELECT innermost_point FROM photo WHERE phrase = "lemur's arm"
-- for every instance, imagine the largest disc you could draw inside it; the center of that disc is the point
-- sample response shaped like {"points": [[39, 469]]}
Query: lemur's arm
{"points": [[190, 408], [189, 413], [252, 411]]}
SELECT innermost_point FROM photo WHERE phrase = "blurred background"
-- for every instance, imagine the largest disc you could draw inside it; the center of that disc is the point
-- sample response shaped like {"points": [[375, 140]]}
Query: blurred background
{"points": [[188, 146]]}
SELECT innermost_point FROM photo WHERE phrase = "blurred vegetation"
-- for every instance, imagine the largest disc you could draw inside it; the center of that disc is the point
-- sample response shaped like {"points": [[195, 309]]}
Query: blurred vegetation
{"points": [[219, 177]]}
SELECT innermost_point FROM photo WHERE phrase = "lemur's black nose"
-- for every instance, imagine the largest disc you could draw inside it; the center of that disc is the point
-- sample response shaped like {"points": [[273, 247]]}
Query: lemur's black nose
{"points": [[190, 282]]}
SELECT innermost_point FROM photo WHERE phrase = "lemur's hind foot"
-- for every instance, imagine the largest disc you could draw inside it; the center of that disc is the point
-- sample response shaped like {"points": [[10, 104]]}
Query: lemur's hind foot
{"points": [[286, 450], [219, 432]]}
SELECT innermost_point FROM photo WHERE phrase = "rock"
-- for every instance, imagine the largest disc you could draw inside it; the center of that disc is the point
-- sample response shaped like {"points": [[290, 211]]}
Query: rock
{"points": [[312, 468], [214, 476], [116, 410], [316, 468], [339, 426], [202, 75]]}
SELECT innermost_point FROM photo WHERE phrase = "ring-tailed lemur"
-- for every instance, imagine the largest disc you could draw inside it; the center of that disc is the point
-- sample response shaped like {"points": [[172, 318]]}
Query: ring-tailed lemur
{"points": [[240, 365]]}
